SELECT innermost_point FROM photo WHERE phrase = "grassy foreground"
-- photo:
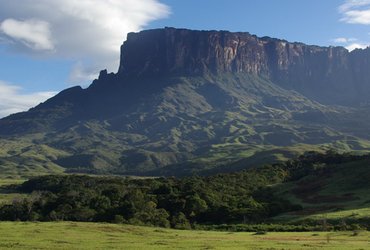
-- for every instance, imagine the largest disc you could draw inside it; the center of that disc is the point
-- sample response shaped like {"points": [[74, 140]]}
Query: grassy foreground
{"points": [[72, 235]]}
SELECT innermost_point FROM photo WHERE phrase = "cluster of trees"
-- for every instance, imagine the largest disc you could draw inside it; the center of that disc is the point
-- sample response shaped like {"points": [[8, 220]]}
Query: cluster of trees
{"points": [[242, 197], [166, 202]]}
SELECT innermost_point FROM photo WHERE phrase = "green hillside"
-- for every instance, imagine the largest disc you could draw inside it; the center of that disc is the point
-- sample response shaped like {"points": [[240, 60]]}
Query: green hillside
{"points": [[337, 192], [183, 125]]}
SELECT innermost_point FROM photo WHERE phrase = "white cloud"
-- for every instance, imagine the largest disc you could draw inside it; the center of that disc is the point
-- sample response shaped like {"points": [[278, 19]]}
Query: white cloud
{"points": [[350, 4], [89, 32], [357, 17], [344, 40], [350, 43], [354, 46], [340, 40], [33, 33], [13, 100], [80, 72], [355, 12]]}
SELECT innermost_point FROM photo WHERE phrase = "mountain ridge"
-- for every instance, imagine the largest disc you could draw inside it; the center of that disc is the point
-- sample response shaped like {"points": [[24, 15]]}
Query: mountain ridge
{"points": [[188, 101], [186, 52]]}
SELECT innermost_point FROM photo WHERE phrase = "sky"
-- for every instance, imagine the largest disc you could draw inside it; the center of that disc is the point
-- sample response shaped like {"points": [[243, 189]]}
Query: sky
{"points": [[49, 45]]}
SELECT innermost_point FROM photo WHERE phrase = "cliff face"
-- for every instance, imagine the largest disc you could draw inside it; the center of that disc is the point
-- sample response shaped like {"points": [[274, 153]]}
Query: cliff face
{"points": [[327, 74], [174, 51], [179, 51]]}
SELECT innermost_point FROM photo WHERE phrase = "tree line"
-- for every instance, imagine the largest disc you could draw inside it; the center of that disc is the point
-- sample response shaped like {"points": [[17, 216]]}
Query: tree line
{"points": [[245, 197]]}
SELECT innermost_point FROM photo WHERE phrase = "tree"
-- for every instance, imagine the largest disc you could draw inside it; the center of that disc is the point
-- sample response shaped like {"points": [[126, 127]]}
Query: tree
{"points": [[179, 221]]}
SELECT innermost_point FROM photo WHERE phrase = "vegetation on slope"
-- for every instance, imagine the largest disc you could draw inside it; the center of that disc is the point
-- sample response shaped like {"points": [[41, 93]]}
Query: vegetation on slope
{"points": [[254, 196], [174, 126]]}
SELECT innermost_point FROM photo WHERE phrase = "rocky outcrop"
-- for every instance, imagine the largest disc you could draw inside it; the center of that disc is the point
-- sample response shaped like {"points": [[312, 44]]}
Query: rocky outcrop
{"points": [[331, 75], [179, 51]]}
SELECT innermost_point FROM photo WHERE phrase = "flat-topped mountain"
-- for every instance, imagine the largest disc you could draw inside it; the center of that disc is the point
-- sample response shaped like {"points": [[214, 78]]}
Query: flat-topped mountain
{"points": [[328, 74], [188, 101]]}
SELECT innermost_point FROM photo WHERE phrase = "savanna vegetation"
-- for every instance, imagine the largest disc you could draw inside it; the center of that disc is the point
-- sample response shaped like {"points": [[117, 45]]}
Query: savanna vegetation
{"points": [[82, 235], [276, 197]]}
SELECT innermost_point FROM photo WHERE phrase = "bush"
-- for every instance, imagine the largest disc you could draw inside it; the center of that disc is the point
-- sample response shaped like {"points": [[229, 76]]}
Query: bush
{"points": [[119, 219], [180, 221], [260, 233]]}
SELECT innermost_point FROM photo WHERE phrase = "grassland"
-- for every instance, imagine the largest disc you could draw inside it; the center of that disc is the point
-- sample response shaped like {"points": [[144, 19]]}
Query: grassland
{"points": [[338, 193], [10, 181], [341, 194], [71, 235], [7, 195]]}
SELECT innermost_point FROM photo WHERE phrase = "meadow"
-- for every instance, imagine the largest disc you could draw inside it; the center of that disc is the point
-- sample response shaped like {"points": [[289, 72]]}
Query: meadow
{"points": [[83, 235], [338, 194], [8, 195]]}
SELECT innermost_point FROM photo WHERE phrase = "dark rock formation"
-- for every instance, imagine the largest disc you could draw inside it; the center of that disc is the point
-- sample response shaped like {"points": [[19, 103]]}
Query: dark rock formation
{"points": [[330, 75]]}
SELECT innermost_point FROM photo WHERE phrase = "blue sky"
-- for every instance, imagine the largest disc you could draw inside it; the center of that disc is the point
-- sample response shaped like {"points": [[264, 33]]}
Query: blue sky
{"points": [[43, 52]]}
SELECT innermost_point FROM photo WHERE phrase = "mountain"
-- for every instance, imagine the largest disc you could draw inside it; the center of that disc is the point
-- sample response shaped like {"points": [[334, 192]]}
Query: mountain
{"points": [[186, 101]]}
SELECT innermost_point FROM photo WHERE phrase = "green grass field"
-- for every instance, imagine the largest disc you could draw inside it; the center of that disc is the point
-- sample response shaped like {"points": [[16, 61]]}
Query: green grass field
{"points": [[341, 189], [7, 195], [72, 235], [9, 181], [342, 194]]}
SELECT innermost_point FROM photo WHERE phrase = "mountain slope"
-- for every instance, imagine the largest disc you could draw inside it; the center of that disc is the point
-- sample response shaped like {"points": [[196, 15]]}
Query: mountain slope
{"points": [[188, 101]]}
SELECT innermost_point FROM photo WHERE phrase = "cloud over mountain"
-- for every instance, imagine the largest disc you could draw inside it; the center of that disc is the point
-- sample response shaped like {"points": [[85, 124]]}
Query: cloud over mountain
{"points": [[32, 33], [356, 11], [88, 32]]}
